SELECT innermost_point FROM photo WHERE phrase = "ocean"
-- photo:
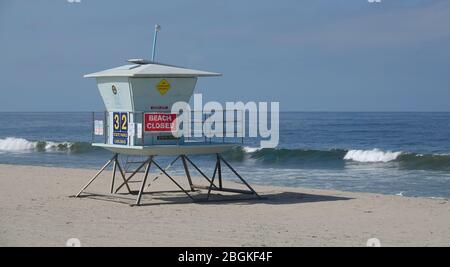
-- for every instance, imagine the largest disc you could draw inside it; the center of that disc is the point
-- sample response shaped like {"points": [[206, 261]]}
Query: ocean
{"points": [[404, 154]]}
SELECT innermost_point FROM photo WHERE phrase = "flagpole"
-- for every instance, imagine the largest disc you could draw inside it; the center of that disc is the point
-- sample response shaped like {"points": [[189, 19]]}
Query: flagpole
{"points": [[155, 37]]}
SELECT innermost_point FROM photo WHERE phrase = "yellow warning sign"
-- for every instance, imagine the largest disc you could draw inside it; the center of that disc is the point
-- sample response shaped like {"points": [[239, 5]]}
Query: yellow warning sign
{"points": [[163, 86]]}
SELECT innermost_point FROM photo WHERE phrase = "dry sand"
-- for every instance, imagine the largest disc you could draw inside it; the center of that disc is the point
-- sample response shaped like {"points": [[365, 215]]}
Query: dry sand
{"points": [[36, 210]]}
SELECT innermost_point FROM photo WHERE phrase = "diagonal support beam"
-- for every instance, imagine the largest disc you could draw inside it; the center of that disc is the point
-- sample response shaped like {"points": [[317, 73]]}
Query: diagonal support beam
{"points": [[200, 171], [122, 174], [96, 175], [238, 175], [133, 174], [173, 180], [166, 169]]}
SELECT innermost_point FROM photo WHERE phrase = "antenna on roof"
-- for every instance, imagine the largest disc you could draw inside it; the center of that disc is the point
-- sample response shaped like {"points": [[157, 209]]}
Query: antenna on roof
{"points": [[155, 37]]}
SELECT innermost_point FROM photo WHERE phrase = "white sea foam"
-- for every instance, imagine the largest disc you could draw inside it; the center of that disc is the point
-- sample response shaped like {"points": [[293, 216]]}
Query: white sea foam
{"points": [[55, 146], [13, 144], [16, 144], [248, 149], [374, 155]]}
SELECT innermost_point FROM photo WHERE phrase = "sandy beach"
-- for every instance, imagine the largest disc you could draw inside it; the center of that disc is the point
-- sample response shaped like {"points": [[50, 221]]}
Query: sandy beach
{"points": [[36, 210]]}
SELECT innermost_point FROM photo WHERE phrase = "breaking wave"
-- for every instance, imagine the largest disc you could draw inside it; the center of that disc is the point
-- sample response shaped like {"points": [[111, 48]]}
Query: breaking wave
{"points": [[16, 144], [374, 155], [273, 157], [12, 144], [340, 157]]}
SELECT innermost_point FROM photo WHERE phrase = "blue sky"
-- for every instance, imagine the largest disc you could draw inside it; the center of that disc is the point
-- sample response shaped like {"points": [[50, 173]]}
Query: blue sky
{"points": [[315, 55]]}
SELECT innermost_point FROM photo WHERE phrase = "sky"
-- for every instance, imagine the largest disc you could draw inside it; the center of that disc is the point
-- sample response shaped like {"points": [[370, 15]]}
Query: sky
{"points": [[310, 55]]}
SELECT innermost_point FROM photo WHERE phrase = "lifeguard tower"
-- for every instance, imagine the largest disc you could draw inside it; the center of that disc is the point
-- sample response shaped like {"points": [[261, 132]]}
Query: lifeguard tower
{"points": [[138, 98]]}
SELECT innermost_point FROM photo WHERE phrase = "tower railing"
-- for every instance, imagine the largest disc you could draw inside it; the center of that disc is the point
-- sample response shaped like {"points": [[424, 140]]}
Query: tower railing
{"points": [[232, 130]]}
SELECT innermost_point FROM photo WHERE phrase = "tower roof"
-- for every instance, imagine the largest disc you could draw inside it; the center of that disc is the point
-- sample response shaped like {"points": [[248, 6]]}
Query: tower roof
{"points": [[144, 68]]}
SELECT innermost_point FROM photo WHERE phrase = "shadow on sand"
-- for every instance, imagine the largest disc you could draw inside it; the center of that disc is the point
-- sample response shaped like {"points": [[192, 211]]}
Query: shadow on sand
{"points": [[178, 197]]}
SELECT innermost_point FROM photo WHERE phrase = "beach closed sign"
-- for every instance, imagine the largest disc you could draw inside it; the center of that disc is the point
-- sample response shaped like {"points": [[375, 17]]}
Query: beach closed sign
{"points": [[159, 122]]}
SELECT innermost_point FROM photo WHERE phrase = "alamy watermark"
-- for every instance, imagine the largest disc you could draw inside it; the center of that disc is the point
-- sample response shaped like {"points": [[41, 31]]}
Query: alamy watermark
{"points": [[73, 242], [236, 119], [373, 242]]}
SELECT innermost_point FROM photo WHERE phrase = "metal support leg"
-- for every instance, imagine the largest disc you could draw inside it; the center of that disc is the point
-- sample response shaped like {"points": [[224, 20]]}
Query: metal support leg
{"points": [[147, 169], [219, 171], [239, 176], [188, 175], [95, 177], [212, 182], [113, 174], [214, 175]]}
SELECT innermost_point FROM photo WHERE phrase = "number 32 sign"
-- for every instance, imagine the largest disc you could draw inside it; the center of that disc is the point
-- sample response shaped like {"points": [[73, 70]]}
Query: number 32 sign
{"points": [[120, 128]]}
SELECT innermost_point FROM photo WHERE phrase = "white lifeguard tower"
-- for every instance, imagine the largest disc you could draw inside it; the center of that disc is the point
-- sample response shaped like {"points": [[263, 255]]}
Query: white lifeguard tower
{"points": [[138, 98]]}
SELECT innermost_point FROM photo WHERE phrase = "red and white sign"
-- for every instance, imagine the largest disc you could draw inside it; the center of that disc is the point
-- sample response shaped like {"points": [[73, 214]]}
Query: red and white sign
{"points": [[159, 122]]}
